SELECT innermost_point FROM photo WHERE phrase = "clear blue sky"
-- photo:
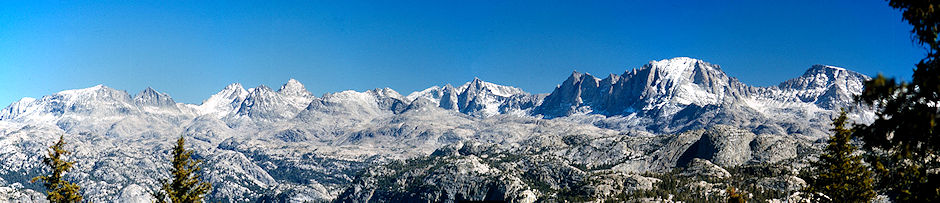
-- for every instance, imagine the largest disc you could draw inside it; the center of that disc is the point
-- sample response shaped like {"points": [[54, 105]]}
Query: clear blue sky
{"points": [[192, 49]]}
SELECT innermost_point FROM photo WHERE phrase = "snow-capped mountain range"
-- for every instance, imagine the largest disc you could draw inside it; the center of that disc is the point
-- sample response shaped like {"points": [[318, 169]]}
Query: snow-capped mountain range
{"points": [[261, 143]]}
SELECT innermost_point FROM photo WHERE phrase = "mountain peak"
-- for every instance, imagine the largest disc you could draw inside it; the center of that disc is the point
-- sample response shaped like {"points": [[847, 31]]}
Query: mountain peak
{"points": [[294, 88], [388, 92], [263, 102], [680, 64], [822, 75], [234, 86], [820, 68], [577, 77], [478, 85], [96, 88], [684, 70], [827, 86], [261, 89], [681, 59], [225, 101], [151, 97]]}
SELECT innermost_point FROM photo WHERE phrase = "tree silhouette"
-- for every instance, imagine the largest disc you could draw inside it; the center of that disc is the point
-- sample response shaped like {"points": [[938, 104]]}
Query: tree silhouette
{"points": [[57, 188], [186, 186], [839, 175], [904, 137]]}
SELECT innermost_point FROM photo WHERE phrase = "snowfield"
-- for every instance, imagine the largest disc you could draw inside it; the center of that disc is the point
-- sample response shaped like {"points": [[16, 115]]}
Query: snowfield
{"points": [[287, 144]]}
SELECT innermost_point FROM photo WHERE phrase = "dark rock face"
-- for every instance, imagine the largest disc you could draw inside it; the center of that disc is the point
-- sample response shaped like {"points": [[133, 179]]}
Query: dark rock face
{"points": [[701, 149], [449, 98]]}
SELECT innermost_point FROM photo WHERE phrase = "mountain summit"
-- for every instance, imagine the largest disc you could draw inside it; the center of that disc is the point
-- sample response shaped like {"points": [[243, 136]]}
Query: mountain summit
{"points": [[660, 85], [829, 87], [294, 88], [260, 143], [150, 97]]}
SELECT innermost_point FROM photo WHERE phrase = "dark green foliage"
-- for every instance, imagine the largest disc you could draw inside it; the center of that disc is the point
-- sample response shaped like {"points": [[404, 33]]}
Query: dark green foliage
{"points": [[57, 188], [187, 185], [904, 137], [922, 14], [839, 176]]}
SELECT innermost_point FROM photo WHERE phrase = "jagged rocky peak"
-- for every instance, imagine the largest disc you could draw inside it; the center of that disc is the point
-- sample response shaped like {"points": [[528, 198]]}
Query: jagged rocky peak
{"points": [[234, 87], [225, 101], [822, 76], [386, 92], [261, 89], [448, 98], [677, 65], [669, 84], [476, 97], [685, 69], [230, 93], [827, 86], [387, 98], [581, 78], [611, 79], [687, 81], [296, 93], [294, 88], [260, 93], [151, 97], [572, 90], [257, 96], [480, 98], [477, 85], [263, 102]]}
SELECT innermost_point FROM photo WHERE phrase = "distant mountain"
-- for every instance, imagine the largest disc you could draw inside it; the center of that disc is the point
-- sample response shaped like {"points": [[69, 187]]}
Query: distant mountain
{"points": [[680, 94], [828, 87], [664, 86], [480, 98], [150, 97], [287, 144], [226, 101]]}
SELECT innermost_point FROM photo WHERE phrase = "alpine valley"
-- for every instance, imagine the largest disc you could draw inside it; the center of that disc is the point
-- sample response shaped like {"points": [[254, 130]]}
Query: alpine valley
{"points": [[671, 130]]}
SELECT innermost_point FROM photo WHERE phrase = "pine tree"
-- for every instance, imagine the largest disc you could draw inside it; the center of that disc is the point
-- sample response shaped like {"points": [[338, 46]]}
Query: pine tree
{"points": [[840, 175], [57, 188], [186, 186], [905, 137]]}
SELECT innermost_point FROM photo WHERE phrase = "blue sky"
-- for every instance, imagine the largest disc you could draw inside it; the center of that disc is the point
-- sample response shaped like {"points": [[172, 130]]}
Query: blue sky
{"points": [[193, 49]]}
